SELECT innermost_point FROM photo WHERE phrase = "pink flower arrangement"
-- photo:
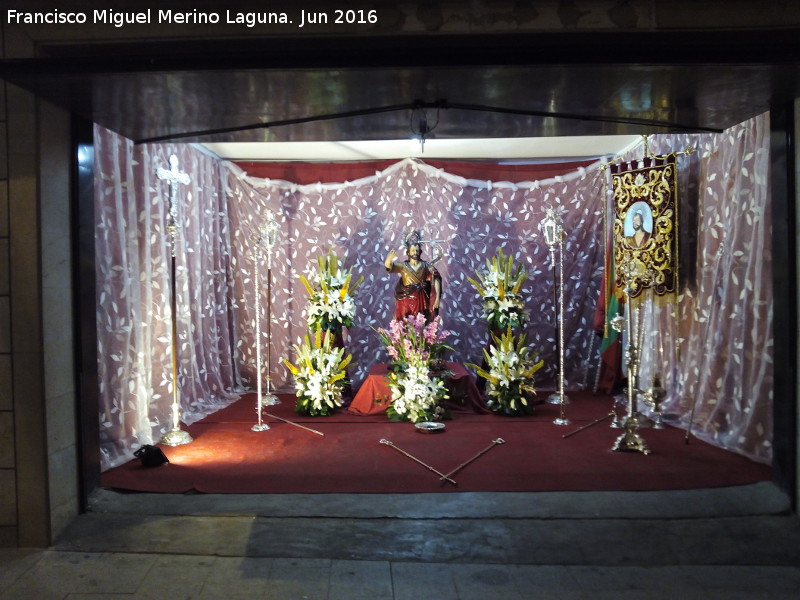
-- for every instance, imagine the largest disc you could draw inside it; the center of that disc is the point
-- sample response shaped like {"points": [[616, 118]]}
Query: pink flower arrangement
{"points": [[415, 347], [413, 342], [432, 334]]}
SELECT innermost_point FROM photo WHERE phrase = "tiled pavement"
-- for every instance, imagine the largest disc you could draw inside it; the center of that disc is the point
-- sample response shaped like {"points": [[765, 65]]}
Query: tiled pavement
{"points": [[52, 575], [728, 544]]}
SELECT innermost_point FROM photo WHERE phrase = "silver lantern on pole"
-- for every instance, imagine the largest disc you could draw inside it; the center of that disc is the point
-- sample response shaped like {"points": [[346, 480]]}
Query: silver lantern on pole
{"points": [[552, 229], [264, 242]]}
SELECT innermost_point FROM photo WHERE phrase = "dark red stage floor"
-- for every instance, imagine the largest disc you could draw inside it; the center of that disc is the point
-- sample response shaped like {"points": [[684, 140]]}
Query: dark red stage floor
{"points": [[226, 456]]}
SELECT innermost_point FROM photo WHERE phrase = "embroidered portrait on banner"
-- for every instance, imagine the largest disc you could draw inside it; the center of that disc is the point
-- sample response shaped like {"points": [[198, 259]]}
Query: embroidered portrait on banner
{"points": [[646, 226]]}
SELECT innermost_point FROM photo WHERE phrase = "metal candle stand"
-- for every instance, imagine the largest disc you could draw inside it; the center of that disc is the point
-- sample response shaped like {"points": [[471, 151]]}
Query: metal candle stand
{"points": [[630, 440], [265, 239], [652, 397], [176, 436], [553, 231]]}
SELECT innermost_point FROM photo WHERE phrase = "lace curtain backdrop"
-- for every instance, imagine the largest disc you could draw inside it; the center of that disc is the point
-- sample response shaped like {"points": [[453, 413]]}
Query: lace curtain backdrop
{"points": [[720, 325], [713, 348], [362, 220], [134, 325]]}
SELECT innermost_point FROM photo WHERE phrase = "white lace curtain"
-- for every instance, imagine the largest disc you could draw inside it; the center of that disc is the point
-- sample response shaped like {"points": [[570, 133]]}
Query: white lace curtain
{"points": [[713, 348], [362, 220], [134, 324], [721, 184]]}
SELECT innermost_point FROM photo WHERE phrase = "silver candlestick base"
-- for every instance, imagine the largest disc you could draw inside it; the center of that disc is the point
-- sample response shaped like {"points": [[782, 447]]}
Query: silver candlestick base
{"points": [[269, 400], [176, 437], [260, 427], [562, 402], [555, 398]]}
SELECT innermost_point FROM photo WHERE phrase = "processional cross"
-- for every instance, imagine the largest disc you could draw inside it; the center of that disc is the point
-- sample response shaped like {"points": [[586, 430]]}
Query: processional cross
{"points": [[176, 436], [173, 176]]}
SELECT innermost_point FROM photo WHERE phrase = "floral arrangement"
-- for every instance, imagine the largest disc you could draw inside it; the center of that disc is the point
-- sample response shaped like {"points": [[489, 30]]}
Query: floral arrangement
{"points": [[413, 346], [413, 341], [330, 295], [510, 366], [499, 286], [319, 375], [416, 395]]}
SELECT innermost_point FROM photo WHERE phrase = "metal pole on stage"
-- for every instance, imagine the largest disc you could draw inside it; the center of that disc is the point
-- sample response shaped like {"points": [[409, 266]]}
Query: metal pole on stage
{"points": [[265, 239], [553, 231], [176, 436], [630, 441]]}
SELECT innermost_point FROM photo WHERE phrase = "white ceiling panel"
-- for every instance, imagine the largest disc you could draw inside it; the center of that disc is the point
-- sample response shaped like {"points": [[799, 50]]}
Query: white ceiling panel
{"points": [[541, 149]]}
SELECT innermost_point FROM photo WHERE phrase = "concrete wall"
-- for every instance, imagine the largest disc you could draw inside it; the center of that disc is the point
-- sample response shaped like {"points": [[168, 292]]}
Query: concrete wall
{"points": [[60, 391], [8, 474], [797, 279], [38, 467]]}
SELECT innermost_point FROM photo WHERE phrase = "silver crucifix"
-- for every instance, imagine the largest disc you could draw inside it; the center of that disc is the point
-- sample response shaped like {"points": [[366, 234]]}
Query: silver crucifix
{"points": [[173, 176]]}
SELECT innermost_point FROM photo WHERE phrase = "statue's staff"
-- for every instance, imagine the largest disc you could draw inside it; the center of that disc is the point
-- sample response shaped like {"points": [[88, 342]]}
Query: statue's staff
{"points": [[435, 245], [443, 477], [477, 456]]}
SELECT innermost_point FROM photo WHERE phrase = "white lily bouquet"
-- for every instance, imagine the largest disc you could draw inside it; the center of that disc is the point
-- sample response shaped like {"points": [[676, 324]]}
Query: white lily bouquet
{"points": [[499, 285], [416, 396], [330, 295], [319, 375], [510, 367]]}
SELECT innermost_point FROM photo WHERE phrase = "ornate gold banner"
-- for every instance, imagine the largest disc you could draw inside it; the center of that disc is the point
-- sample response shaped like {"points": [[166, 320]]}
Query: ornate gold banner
{"points": [[646, 225]]}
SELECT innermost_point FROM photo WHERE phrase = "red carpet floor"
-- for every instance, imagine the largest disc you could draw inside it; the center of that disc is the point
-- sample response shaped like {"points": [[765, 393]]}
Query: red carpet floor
{"points": [[226, 456]]}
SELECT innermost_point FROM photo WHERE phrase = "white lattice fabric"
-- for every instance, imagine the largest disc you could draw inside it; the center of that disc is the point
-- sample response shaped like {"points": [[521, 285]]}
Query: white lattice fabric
{"points": [[715, 354], [134, 323], [363, 220]]}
